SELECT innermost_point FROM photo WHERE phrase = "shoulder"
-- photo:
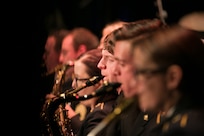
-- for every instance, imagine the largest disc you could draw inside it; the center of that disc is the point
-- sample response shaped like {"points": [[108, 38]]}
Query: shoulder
{"points": [[187, 123], [101, 110], [102, 106], [105, 106], [97, 114]]}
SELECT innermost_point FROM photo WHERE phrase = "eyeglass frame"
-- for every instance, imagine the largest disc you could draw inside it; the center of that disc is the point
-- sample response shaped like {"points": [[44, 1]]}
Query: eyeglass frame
{"points": [[80, 79], [150, 71]]}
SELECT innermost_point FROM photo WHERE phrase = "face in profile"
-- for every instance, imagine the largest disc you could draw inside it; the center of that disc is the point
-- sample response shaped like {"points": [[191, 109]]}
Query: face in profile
{"points": [[106, 64], [80, 78], [68, 52], [151, 85], [50, 56], [123, 68]]}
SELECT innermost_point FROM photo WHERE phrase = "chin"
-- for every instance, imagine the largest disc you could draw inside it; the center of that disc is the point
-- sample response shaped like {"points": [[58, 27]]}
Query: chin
{"points": [[105, 78], [143, 105]]}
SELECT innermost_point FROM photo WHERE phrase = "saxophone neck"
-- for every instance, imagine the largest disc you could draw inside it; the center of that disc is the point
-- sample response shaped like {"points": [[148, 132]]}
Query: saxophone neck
{"points": [[59, 79], [59, 67]]}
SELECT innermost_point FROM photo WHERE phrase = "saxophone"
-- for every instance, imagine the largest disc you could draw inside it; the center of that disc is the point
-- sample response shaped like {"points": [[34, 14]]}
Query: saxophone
{"points": [[59, 125], [106, 88]]}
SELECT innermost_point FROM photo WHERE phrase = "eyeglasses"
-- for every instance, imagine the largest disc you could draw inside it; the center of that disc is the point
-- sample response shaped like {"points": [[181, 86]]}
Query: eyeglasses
{"points": [[141, 72], [77, 80], [80, 79]]}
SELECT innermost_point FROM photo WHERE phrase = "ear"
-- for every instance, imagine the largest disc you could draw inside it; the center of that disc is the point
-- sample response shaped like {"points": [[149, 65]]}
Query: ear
{"points": [[174, 76], [82, 49]]}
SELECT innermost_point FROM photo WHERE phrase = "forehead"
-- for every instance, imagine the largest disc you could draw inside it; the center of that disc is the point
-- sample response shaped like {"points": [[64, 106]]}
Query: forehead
{"points": [[122, 46], [50, 41], [68, 40], [140, 58], [122, 50], [105, 53], [79, 67]]}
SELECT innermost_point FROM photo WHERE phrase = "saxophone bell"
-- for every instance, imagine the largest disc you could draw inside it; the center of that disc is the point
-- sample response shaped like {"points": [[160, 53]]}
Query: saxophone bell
{"points": [[54, 113], [57, 101]]}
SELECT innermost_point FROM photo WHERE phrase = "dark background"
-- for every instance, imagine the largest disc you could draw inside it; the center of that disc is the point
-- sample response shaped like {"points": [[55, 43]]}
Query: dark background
{"points": [[26, 24]]}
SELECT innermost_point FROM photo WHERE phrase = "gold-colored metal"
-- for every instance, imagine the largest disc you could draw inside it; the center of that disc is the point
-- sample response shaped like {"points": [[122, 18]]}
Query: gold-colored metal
{"points": [[60, 117], [58, 68]]}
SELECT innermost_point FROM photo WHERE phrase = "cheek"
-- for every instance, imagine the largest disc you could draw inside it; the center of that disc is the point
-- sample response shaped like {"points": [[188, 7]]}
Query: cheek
{"points": [[132, 85], [122, 75], [129, 85], [110, 67], [108, 72], [150, 95], [70, 56], [83, 92], [87, 90], [74, 84]]}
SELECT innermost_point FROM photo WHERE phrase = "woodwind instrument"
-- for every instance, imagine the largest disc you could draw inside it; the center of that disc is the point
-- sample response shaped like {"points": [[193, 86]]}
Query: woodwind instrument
{"points": [[60, 124], [106, 88]]}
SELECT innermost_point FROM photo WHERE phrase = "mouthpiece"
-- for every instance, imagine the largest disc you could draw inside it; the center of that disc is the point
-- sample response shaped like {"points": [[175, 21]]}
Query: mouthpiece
{"points": [[92, 81], [106, 88]]}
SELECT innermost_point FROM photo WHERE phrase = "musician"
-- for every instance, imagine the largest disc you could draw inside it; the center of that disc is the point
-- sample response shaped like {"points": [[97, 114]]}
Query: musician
{"points": [[52, 49], [139, 119], [85, 67], [169, 68], [73, 45]]}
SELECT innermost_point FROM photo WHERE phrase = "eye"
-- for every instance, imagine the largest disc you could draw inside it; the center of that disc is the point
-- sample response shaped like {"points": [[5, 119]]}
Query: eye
{"points": [[111, 59], [149, 71]]}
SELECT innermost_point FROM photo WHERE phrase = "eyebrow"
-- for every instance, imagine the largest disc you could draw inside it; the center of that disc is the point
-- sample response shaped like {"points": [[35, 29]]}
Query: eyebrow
{"points": [[120, 60]]}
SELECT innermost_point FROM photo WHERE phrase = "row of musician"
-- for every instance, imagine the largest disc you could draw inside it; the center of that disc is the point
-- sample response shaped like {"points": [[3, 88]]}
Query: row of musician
{"points": [[82, 99], [105, 100]]}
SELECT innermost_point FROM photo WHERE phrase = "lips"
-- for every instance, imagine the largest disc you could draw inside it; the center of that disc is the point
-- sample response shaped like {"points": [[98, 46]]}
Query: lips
{"points": [[105, 78]]}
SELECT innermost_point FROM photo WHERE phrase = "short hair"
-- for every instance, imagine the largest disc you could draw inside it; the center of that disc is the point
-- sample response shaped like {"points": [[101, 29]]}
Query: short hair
{"points": [[131, 30], [178, 46], [91, 59], [84, 36], [59, 35]]}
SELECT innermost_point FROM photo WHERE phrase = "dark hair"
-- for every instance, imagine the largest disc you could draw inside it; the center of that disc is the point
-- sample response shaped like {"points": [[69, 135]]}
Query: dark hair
{"points": [[91, 59], [59, 35], [84, 36], [131, 30], [182, 47]]}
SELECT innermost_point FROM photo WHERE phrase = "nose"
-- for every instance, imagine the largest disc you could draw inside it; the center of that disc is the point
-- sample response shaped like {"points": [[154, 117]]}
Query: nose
{"points": [[74, 84], [101, 64], [61, 59]]}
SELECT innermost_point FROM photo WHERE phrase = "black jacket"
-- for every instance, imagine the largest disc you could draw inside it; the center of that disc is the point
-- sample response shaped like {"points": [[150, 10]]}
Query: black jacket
{"points": [[104, 106]]}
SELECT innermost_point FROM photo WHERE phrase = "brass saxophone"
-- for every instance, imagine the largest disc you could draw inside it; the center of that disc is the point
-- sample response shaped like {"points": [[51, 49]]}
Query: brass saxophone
{"points": [[63, 124], [106, 88], [60, 124]]}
